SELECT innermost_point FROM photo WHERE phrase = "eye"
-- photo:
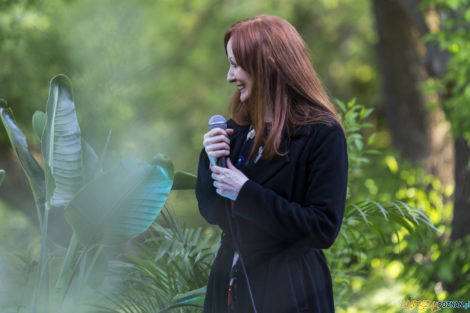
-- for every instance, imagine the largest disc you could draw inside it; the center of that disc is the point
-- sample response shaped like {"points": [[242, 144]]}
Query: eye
{"points": [[233, 64]]}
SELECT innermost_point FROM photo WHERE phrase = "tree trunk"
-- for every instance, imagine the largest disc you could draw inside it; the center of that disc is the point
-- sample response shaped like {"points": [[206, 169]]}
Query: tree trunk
{"points": [[461, 218], [419, 133]]}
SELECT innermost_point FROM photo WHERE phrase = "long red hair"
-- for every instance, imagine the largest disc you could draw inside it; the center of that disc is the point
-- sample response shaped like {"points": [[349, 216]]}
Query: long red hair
{"points": [[271, 50]]}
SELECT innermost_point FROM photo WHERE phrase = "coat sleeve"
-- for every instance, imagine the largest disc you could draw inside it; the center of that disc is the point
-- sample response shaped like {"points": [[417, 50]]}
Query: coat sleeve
{"points": [[211, 205], [319, 219]]}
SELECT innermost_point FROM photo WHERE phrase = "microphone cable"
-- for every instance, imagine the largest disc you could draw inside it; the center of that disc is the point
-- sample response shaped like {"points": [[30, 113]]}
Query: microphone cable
{"points": [[236, 244]]}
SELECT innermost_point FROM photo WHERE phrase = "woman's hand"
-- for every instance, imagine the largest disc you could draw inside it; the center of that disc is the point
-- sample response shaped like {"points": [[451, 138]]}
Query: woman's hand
{"points": [[228, 181], [217, 144]]}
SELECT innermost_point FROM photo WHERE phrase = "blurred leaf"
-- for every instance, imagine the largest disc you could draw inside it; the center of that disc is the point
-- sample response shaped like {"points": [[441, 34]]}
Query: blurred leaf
{"points": [[341, 105], [184, 180], [371, 139], [190, 298], [352, 102], [163, 161], [91, 163], [31, 167], [39, 122], [61, 142], [120, 204], [2, 176], [105, 149], [100, 267]]}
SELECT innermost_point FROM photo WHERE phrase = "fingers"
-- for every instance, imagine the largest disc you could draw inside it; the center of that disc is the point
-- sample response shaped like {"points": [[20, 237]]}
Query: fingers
{"points": [[212, 139], [218, 153], [218, 146], [218, 132], [217, 143]]}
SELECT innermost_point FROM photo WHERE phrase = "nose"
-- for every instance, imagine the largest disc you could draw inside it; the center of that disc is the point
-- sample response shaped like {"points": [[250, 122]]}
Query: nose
{"points": [[230, 76]]}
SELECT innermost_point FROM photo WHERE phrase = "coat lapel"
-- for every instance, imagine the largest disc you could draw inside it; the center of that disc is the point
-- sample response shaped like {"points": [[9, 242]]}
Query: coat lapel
{"points": [[263, 171]]}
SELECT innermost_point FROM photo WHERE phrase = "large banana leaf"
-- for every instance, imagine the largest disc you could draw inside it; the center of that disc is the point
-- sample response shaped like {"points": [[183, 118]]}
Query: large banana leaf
{"points": [[31, 167], [91, 163], [61, 143], [120, 204], [182, 180]]}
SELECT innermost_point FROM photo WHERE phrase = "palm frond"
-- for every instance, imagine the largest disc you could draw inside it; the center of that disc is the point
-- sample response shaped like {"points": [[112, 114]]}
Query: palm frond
{"points": [[169, 271]]}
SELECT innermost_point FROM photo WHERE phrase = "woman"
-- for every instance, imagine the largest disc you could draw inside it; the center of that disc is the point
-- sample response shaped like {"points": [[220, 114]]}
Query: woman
{"points": [[286, 176]]}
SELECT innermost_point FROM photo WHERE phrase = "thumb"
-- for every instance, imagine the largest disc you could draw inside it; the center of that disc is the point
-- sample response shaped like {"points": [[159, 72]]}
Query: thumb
{"points": [[229, 164]]}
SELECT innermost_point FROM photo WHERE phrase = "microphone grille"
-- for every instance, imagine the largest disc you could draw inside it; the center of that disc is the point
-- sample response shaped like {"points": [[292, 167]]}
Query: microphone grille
{"points": [[217, 121]]}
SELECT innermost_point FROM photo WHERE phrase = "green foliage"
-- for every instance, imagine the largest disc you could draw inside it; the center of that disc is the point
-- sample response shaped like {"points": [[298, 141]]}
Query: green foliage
{"points": [[367, 224], [160, 66], [103, 207], [453, 38], [170, 272], [2, 176], [353, 118]]}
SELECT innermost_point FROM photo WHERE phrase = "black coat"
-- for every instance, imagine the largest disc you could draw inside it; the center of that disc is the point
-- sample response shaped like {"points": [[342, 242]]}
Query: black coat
{"points": [[288, 211]]}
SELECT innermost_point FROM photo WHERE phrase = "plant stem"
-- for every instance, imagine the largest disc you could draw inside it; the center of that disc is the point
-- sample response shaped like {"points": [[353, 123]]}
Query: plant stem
{"points": [[42, 265], [69, 283], [93, 261], [68, 259]]}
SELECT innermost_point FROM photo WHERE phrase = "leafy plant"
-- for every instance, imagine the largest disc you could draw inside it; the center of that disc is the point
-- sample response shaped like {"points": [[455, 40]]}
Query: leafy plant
{"points": [[169, 272], [367, 224], [103, 207]]}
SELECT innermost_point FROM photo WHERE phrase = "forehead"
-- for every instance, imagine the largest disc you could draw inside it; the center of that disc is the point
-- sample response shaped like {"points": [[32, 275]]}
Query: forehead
{"points": [[229, 49]]}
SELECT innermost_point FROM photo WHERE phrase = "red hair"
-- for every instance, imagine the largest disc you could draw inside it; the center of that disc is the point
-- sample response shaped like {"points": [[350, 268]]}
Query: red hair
{"points": [[271, 50]]}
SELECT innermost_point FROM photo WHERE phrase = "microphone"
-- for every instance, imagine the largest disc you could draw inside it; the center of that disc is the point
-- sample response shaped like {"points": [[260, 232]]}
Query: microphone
{"points": [[218, 121]]}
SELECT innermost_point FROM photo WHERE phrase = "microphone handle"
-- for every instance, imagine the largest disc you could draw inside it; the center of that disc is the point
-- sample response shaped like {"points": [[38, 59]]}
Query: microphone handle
{"points": [[222, 162]]}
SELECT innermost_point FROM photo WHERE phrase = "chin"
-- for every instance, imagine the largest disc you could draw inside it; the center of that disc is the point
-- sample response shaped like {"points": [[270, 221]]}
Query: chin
{"points": [[244, 97]]}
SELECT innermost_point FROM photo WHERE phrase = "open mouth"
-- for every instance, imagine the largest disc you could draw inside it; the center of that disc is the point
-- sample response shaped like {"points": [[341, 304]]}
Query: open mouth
{"points": [[241, 87]]}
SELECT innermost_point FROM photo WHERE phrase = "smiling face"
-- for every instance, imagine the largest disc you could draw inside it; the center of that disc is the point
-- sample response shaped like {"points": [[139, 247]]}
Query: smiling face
{"points": [[237, 75]]}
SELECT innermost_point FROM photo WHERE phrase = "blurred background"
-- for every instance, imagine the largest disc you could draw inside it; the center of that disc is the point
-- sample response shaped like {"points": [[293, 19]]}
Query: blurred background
{"points": [[155, 71]]}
